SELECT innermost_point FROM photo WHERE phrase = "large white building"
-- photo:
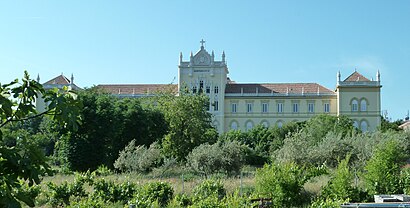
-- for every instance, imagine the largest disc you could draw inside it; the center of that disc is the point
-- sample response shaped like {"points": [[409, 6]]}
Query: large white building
{"points": [[245, 105]]}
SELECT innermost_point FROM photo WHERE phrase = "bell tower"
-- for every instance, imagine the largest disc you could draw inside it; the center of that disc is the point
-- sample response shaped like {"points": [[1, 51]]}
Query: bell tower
{"points": [[203, 74]]}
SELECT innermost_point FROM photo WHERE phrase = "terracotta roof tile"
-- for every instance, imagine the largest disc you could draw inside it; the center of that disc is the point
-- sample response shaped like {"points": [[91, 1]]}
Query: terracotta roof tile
{"points": [[356, 77], [61, 79], [292, 88], [137, 89]]}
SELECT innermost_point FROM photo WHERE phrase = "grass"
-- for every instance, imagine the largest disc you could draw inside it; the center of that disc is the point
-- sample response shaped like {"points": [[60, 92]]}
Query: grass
{"points": [[179, 184], [181, 180]]}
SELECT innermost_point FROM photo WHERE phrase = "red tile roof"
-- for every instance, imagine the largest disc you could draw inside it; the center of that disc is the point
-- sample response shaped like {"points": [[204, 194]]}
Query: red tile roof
{"points": [[291, 88], [356, 77], [137, 89], [61, 79]]}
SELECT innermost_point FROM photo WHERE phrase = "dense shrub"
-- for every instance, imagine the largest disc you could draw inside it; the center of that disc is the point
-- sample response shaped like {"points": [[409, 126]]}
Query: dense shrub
{"points": [[159, 191], [210, 188], [227, 157], [405, 180], [383, 169], [340, 185], [109, 191], [138, 158], [300, 148], [283, 182], [59, 195], [327, 203]]}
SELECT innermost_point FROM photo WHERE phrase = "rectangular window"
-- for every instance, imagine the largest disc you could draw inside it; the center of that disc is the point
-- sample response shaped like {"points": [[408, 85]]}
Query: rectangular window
{"points": [[249, 107], [264, 107], [327, 107], [311, 107], [280, 107], [233, 106], [208, 89], [216, 107], [201, 84], [295, 107], [216, 90]]}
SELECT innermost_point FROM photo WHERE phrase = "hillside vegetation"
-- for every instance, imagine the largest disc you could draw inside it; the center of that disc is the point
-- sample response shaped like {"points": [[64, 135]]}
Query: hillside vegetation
{"points": [[162, 151]]}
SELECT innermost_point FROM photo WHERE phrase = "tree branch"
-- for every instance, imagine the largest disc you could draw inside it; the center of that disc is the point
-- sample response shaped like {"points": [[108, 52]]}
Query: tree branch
{"points": [[26, 118]]}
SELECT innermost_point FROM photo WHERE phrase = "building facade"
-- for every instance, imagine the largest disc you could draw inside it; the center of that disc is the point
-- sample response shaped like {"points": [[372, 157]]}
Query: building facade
{"points": [[58, 82], [242, 106]]}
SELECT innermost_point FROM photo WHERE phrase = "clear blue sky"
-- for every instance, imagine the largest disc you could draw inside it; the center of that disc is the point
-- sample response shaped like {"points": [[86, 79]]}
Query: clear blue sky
{"points": [[103, 42]]}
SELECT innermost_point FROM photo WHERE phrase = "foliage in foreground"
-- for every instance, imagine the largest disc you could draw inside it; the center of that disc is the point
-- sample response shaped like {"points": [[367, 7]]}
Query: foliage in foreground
{"points": [[341, 188], [283, 183], [22, 163], [384, 168]]}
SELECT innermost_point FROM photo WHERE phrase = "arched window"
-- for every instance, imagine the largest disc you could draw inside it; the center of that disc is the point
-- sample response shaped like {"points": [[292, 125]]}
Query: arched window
{"points": [[279, 124], [363, 105], [234, 125], [249, 125], [355, 105], [363, 126], [265, 124]]}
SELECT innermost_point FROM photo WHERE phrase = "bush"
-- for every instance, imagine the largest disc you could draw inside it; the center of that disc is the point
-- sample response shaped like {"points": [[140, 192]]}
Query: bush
{"points": [[284, 183], [60, 194], [138, 158], [180, 200], [108, 191], [102, 170], [405, 180], [224, 157], [383, 169], [159, 191], [340, 185], [209, 202], [209, 189], [327, 203]]}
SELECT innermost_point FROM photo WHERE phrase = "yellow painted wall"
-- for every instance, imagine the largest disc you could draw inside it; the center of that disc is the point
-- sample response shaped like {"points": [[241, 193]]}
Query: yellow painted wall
{"points": [[272, 117]]}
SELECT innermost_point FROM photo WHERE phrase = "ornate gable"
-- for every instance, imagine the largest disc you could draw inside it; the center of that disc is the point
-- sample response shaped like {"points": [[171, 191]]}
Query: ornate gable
{"points": [[202, 58]]}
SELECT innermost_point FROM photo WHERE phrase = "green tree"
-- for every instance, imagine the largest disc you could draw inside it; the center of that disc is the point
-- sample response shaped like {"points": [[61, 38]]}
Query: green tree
{"points": [[387, 125], [283, 182], [317, 127], [382, 174], [340, 187], [109, 124], [189, 123], [22, 163]]}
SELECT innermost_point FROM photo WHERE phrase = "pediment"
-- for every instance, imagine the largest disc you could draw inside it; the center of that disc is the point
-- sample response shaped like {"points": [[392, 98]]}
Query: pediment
{"points": [[202, 58]]}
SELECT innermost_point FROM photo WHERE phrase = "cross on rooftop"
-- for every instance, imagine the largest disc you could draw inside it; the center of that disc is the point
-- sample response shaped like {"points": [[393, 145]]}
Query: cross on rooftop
{"points": [[202, 42]]}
